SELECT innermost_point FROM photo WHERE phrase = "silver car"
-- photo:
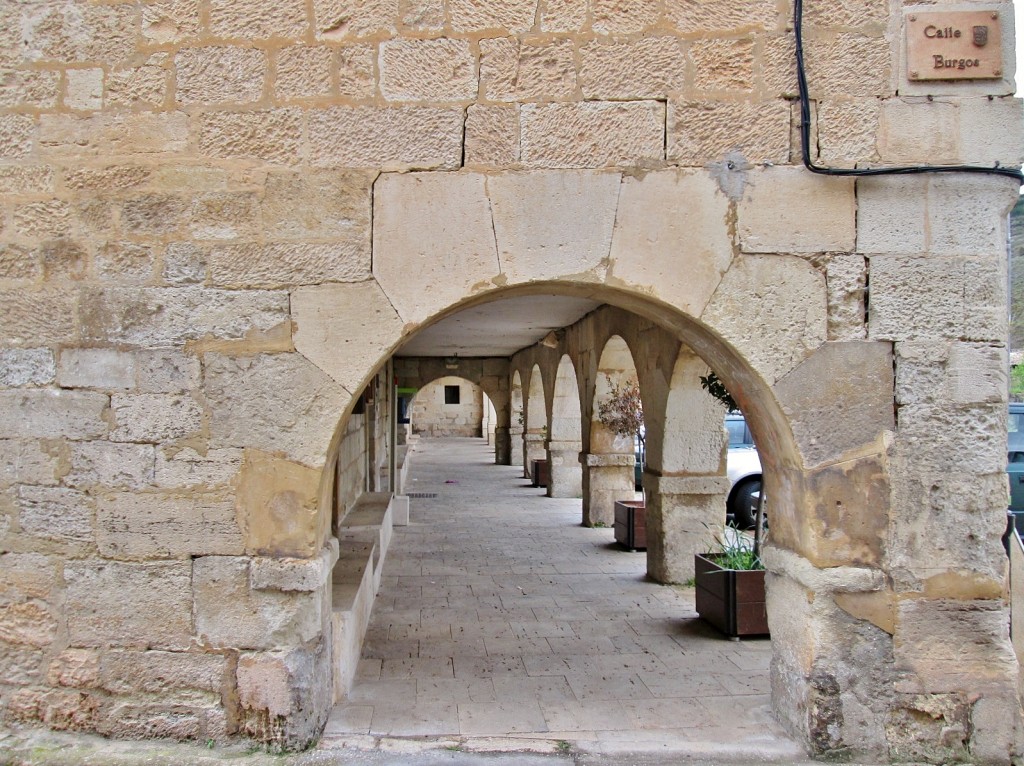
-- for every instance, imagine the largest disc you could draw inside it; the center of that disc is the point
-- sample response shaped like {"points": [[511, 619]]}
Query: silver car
{"points": [[743, 467]]}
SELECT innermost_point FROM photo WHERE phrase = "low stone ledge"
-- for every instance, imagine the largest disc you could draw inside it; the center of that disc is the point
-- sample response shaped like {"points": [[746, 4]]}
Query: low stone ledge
{"points": [[829, 580], [293, 574]]}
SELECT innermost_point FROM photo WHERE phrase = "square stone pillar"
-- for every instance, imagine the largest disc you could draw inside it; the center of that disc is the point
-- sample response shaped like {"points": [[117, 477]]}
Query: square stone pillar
{"points": [[533, 449], [683, 515], [606, 478], [566, 474], [502, 442], [515, 445]]}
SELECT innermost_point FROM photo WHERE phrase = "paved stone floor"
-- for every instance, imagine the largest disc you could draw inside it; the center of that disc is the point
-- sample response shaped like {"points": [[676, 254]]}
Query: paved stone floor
{"points": [[501, 620]]}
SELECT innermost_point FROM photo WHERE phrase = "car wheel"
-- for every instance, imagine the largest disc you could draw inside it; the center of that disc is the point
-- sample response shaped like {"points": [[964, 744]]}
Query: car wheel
{"points": [[743, 503]]}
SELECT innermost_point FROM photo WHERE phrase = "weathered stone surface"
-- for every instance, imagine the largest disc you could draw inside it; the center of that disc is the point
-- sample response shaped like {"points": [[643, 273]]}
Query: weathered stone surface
{"points": [[284, 265], [21, 665], [323, 203], [771, 308], [702, 131], [64, 259], [136, 87], [26, 576], [17, 136], [848, 64], [18, 262], [155, 317], [506, 15], [83, 89], [847, 288], [553, 224], [184, 264], [723, 66], [427, 70], [991, 132], [27, 179], [563, 15], [26, 367], [291, 574], [171, 21], [230, 615], [37, 317], [47, 219], [104, 368], [154, 418], [664, 220], [258, 20], [394, 138], [511, 70], [126, 264], [147, 525], [224, 216], [413, 224], [303, 71], [117, 134], [48, 414], [345, 329], [29, 88], [957, 372], [356, 71], [27, 462], [623, 17], [101, 463], [55, 513], [919, 132], [273, 135], [342, 19], [593, 134], [492, 136], [651, 67], [220, 75], [128, 672], [296, 418], [278, 502], [165, 371], [787, 210], [721, 15], [187, 468], [145, 605], [917, 298], [77, 668], [28, 624], [839, 400]]}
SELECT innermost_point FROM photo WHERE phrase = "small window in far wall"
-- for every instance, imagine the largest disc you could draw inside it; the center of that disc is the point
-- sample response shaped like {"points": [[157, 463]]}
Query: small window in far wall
{"points": [[451, 394]]}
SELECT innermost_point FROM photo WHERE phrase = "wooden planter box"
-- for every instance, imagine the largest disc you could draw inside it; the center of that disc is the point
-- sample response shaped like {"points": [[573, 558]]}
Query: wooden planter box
{"points": [[631, 524], [731, 600], [540, 473]]}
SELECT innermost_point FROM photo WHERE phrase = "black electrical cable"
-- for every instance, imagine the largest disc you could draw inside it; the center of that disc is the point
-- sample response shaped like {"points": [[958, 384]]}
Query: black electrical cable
{"points": [[805, 130]]}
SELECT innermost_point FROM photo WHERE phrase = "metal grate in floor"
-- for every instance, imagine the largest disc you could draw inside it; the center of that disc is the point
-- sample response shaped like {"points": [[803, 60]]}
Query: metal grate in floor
{"points": [[424, 495]]}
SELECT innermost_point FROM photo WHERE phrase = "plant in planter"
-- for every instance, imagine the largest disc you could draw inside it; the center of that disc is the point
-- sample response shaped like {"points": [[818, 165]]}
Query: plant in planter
{"points": [[622, 413], [729, 585]]}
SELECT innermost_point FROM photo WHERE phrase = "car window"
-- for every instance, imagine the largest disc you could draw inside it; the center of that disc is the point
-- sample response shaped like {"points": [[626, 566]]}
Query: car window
{"points": [[1015, 426], [1017, 457], [739, 434]]}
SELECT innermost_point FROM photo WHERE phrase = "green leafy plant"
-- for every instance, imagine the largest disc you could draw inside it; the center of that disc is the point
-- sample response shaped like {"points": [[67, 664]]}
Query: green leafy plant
{"points": [[714, 386], [734, 550]]}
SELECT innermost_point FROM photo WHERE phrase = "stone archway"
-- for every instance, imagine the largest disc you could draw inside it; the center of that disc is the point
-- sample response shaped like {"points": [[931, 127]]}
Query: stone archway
{"points": [[535, 434], [565, 440]]}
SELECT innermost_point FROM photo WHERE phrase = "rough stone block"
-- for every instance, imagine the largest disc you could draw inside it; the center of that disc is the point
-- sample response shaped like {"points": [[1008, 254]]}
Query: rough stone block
{"points": [[124, 263], [27, 624], [423, 15], [18, 262], [48, 414], [297, 419], [64, 259], [278, 503], [427, 70], [791, 318], [917, 298], [157, 672], [144, 605], [28, 88], [28, 462], [76, 668], [344, 19], [26, 367], [104, 368], [220, 74], [224, 216], [710, 16], [155, 215], [83, 89], [702, 131], [277, 266], [26, 576], [514, 16], [273, 135], [46, 219], [651, 67], [666, 219], [303, 71], [969, 438], [492, 136], [356, 71], [184, 264], [511, 70], [154, 418], [621, 17], [319, 204], [171, 21], [962, 373], [229, 614], [848, 64], [146, 525], [412, 225], [394, 138], [144, 133], [17, 136], [163, 317], [922, 131], [21, 665], [38, 317], [563, 16], [345, 329], [991, 131], [554, 223], [55, 513], [839, 400], [846, 276], [291, 574], [187, 468], [723, 66], [593, 134], [787, 210], [106, 464], [28, 179], [165, 371], [255, 21], [137, 87]]}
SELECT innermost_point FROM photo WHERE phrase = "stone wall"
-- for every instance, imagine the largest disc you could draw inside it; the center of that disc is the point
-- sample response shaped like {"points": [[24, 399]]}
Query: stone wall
{"points": [[218, 222], [432, 416]]}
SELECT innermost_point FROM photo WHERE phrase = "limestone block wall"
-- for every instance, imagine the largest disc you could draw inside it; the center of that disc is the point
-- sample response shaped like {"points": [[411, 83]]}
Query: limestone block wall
{"points": [[218, 221], [431, 416]]}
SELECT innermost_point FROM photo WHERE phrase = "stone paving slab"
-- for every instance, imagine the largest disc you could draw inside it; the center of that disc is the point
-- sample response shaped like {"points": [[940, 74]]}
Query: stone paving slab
{"points": [[502, 617]]}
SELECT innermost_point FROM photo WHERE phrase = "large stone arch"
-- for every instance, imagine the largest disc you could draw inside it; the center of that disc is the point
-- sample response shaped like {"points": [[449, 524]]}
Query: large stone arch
{"points": [[566, 438]]}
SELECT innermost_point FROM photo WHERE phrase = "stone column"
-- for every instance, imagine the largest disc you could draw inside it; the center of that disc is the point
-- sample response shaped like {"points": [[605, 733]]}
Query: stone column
{"points": [[515, 445], [566, 476], [502, 445], [533, 449], [683, 515], [607, 477]]}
